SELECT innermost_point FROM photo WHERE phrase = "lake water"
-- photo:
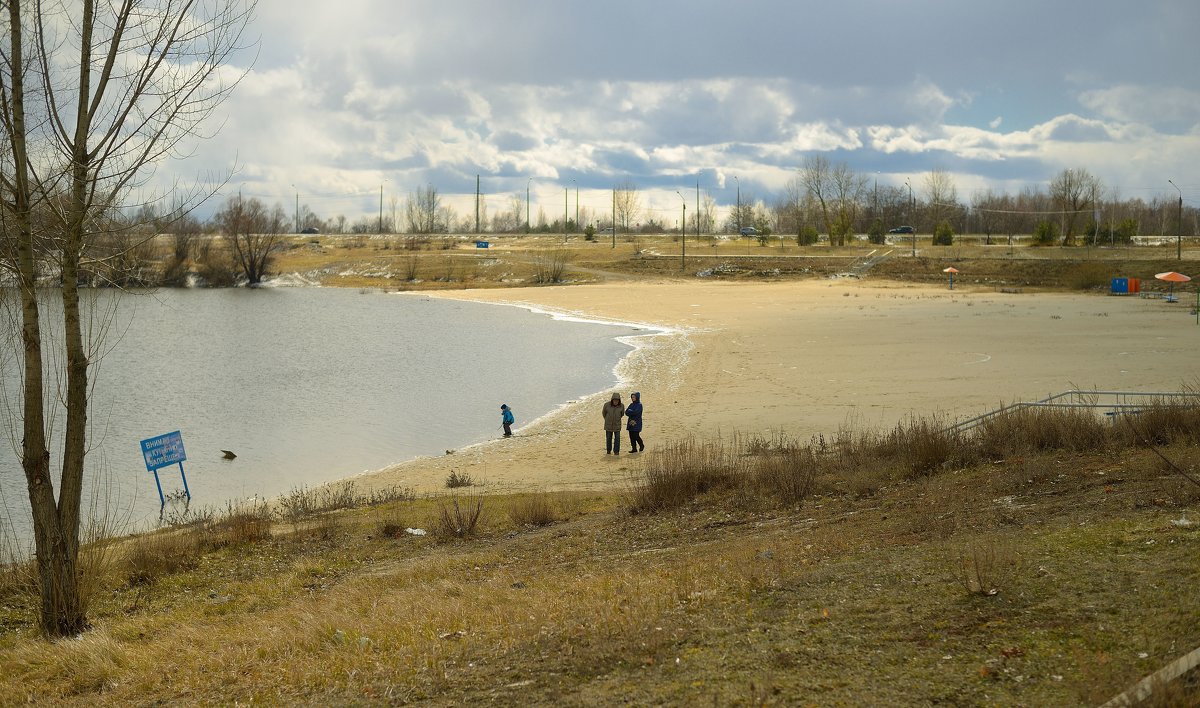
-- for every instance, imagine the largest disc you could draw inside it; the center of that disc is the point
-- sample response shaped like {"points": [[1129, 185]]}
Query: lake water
{"points": [[306, 386]]}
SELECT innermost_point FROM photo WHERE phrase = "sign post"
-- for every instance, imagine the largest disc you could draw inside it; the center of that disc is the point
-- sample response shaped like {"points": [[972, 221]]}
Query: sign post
{"points": [[163, 451]]}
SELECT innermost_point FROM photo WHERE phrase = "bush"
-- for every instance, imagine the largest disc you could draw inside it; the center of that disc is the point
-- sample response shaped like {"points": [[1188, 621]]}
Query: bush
{"points": [[456, 479], [533, 510], [943, 235], [459, 520], [153, 556], [1046, 233], [807, 236], [682, 471], [589, 234], [876, 234]]}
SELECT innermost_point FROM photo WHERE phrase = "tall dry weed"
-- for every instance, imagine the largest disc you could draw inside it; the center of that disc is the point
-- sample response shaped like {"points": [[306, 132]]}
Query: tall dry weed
{"points": [[459, 516], [149, 557], [983, 564], [533, 510], [679, 472]]}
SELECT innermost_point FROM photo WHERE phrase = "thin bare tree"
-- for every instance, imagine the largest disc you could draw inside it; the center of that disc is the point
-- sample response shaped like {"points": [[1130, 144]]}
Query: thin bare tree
{"points": [[117, 88], [423, 210], [943, 196], [628, 205]]}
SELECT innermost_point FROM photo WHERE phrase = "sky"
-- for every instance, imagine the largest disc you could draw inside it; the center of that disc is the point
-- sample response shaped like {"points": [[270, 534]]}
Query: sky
{"points": [[344, 98]]}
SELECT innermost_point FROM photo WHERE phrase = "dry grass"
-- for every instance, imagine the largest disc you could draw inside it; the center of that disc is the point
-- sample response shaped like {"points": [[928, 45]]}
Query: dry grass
{"points": [[885, 599], [533, 510]]}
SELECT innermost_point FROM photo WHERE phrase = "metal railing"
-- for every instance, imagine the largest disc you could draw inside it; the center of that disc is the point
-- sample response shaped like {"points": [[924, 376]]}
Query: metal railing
{"points": [[1112, 402]]}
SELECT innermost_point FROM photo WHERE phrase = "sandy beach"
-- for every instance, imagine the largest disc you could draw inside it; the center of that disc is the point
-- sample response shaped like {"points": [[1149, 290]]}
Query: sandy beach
{"points": [[808, 357]]}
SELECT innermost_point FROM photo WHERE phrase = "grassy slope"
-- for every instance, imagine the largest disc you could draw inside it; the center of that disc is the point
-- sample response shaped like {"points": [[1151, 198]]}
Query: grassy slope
{"points": [[854, 597]]}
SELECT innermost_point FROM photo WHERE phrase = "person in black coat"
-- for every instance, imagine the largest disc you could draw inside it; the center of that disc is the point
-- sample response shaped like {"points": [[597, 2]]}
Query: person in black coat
{"points": [[633, 423]]}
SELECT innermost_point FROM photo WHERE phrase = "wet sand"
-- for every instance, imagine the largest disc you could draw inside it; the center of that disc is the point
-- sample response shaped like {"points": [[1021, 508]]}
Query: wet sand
{"points": [[809, 357]]}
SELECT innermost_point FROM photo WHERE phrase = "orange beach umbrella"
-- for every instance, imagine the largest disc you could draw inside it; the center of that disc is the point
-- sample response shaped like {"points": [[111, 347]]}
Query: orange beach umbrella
{"points": [[951, 270], [1172, 277]]}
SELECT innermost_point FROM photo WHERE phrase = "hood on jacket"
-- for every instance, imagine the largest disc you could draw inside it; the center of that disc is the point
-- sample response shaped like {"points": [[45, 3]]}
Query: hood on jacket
{"points": [[616, 397]]}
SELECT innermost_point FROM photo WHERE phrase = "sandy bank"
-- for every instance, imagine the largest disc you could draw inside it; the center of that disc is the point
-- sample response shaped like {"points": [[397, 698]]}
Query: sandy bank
{"points": [[807, 357]]}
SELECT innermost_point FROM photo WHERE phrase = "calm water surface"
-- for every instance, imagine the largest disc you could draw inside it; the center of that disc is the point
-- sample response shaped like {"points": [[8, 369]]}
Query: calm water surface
{"points": [[308, 386]]}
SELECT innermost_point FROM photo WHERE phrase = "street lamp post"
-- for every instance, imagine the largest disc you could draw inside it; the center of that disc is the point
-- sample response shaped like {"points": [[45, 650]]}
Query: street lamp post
{"points": [[739, 204], [683, 233], [1178, 224], [527, 203], [910, 210], [381, 207], [297, 208]]}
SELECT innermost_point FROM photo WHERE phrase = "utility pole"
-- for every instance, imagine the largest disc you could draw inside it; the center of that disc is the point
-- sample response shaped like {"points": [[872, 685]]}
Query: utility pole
{"points": [[381, 207], [566, 200], [614, 218], [683, 232], [1178, 224], [697, 210], [739, 204], [910, 213], [476, 203], [527, 204], [297, 210], [576, 204]]}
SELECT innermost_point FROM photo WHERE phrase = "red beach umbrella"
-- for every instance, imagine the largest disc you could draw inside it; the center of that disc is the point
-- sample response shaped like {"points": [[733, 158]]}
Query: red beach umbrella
{"points": [[1172, 277]]}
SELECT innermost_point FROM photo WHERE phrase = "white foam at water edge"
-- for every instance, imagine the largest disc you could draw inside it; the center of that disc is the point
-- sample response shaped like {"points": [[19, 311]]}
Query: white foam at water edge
{"points": [[634, 342]]}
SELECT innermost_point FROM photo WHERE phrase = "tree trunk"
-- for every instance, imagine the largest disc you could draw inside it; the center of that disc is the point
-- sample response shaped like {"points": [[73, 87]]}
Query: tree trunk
{"points": [[61, 608]]}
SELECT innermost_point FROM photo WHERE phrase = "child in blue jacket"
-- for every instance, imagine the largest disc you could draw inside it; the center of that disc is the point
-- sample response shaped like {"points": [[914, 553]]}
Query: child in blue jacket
{"points": [[506, 419]]}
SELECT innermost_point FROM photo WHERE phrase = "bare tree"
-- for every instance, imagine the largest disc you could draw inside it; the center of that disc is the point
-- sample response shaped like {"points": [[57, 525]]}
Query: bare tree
{"points": [[120, 86], [943, 196], [628, 205], [837, 193], [1074, 192], [423, 209], [253, 233]]}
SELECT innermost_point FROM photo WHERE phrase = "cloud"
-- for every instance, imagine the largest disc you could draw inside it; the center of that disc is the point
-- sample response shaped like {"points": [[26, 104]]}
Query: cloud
{"points": [[1149, 105]]}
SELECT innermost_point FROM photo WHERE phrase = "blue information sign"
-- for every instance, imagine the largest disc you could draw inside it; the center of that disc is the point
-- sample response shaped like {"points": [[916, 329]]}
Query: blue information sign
{"points": [[163, 450], [482, 244]]}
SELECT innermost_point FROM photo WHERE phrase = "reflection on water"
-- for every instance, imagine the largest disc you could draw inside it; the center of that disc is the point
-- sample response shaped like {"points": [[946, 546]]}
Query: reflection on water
{"points": [[307, 386]]}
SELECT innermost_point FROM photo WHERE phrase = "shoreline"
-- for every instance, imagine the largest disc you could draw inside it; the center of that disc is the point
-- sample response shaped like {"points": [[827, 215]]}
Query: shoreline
{"points": [[809, 358], [640, 345]]}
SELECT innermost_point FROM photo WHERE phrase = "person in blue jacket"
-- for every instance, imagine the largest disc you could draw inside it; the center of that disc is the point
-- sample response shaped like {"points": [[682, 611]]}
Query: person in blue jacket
{"points": [[506, 419], [633, 423]]}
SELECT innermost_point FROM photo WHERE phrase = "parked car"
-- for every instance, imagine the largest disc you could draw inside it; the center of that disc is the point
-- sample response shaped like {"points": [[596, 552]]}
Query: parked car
{"points": [[902, 230], [311, 230], [749, 231]]}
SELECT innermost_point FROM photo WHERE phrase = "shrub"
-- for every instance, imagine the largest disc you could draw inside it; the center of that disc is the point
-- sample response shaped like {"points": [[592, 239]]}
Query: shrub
{"points": [[1046, 233], [943, 235], [549, 267], [876, 233], [459, 520], [150, 557], [533, 510], [807, 236], [458, 479], [982, 565], [682, 471], [786, 475]]}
